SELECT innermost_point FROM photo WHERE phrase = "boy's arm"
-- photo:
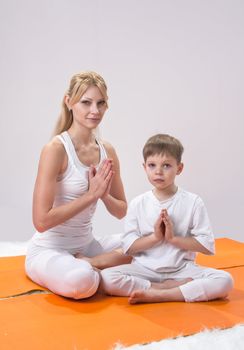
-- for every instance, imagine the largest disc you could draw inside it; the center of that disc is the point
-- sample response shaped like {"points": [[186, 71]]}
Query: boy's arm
{"points": [[132, 240], [189, 243], [141, 244], [201, 239]]}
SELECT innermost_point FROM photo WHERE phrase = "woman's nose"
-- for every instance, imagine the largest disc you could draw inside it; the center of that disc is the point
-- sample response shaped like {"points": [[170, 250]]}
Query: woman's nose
{"points": [[94, 108]]}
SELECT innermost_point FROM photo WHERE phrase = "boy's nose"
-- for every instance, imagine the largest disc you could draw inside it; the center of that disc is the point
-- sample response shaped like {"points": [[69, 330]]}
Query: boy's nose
{"points": [[159, 170]]}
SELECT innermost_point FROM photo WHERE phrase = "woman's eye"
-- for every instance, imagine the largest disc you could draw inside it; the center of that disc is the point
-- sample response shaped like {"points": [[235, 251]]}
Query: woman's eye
{"points": [[101, 103], [85, 102]]}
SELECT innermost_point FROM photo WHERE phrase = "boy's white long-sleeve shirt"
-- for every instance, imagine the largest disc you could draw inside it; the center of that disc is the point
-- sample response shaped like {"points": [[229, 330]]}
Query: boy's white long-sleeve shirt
{"points": [[190, 219]]}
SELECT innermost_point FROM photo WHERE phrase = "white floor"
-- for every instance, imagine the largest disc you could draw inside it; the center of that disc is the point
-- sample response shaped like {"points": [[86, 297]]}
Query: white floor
{"points": [[228, 339]]}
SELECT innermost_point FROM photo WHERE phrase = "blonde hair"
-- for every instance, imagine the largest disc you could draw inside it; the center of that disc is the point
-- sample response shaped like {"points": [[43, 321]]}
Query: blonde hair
{"points": [[79, 83], [161, 144]]}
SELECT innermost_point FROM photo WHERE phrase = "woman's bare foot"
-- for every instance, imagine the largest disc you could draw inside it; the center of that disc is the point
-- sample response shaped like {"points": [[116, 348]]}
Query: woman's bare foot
{"points": [[80, 256], [105, 260]]}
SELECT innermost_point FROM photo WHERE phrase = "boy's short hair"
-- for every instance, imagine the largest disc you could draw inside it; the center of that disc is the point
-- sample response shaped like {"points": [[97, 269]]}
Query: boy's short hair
{"points": [[161, 144]]}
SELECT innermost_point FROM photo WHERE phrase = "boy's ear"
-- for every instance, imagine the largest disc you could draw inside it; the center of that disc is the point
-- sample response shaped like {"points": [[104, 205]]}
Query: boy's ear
{"points": [[144, 166], [180, 168]]}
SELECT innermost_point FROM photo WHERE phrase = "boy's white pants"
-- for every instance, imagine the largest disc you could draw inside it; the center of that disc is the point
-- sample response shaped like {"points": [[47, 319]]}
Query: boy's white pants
{"points": [[207, 283]]}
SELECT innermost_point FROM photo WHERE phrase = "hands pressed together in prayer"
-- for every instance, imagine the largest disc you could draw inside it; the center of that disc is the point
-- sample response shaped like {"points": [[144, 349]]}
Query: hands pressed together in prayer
{"points": [[100, 180], [163, 228]]}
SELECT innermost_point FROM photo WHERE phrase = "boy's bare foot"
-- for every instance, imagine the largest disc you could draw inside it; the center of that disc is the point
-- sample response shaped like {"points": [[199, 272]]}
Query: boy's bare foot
{"points": [[146, 296], [152, 295], [159, 292]]}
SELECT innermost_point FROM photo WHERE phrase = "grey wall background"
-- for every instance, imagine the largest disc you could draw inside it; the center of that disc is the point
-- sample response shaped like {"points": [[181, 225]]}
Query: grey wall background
{"points": [[172, 66]]}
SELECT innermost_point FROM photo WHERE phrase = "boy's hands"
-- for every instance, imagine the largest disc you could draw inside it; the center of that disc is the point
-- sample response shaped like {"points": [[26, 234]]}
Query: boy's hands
{"points": [[159, 228], [163, 228], [168, 224]]}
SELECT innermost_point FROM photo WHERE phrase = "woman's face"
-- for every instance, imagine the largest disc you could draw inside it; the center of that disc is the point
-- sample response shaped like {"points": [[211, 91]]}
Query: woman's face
{"points": [[89, 111]]}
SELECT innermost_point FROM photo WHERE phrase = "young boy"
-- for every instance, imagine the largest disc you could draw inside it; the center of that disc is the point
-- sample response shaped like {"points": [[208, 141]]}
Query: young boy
{"points": [[164, 228]]}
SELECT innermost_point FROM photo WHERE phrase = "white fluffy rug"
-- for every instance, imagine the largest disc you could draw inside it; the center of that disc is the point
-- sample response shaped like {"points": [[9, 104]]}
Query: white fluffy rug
{"points": [[227, 339]]}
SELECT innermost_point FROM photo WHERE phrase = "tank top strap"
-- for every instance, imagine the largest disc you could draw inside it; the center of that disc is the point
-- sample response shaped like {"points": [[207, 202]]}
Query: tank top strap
{"points": [[68, 146], [103, 153]]}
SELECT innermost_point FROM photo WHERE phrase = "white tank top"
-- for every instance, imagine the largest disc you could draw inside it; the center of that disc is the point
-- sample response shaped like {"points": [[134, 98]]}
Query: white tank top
{"points": [[73, 183]]}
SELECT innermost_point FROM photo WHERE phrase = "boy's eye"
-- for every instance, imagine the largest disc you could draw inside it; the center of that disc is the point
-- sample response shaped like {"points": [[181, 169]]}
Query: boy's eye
{"points": [[166, 166], [151, 165]]}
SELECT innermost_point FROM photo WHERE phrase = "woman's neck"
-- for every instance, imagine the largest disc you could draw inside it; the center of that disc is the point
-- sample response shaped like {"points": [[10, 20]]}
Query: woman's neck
{"points": [[81, 136]]}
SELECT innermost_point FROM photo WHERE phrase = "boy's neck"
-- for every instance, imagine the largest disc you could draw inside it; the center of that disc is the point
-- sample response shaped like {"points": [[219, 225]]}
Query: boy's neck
{"points": [[166, 193]]}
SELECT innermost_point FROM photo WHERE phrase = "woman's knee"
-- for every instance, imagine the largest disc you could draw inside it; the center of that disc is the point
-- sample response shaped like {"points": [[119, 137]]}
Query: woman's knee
{"points": [[80, 284]]}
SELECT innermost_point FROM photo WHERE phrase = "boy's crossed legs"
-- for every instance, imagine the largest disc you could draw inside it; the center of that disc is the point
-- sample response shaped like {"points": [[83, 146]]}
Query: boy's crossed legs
{"points": [[190, 283]]}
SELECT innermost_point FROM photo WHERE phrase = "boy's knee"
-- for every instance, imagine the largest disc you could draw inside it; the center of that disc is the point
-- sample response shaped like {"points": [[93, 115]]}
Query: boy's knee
{"points": [[223, 285], [226, 283], [80, 284]]}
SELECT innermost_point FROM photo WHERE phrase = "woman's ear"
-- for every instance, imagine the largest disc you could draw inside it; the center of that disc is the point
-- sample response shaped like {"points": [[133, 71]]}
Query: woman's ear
{"points": [[180, 168], [67, 102]]}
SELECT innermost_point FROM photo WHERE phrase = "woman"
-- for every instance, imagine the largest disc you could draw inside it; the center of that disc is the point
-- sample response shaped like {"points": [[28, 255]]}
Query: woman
{"points": [[75, 171]]}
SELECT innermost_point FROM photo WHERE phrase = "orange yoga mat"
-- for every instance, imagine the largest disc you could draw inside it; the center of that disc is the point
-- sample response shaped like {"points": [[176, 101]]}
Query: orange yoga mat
{"points": [[13, 281], [51, 322], [229, 253], [48, 321]]}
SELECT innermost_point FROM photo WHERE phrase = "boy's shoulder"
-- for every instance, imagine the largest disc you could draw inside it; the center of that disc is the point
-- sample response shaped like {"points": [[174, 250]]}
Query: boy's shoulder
{"points": [[182, 195], [141, 198], [188, 196]]}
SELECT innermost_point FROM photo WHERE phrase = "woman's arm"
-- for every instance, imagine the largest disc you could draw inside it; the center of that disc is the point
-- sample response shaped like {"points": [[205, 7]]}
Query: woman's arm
{"points": [[114, 198], [53, 162]]}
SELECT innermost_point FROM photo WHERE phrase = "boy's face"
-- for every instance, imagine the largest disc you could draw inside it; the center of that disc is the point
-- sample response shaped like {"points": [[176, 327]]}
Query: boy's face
{"points": [[161, 170]]}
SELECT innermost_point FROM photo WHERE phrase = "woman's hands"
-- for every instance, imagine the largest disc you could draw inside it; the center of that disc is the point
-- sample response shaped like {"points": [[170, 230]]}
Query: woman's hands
{"points": [[100, 180]]}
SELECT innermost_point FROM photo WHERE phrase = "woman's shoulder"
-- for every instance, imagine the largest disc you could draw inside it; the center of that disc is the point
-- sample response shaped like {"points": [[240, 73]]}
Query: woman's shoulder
{"points": [[53, 149], [107, 145], [109, 149]]}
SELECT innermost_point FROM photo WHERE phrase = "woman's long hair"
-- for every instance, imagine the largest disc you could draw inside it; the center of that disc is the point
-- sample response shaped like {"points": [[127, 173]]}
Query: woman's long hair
{"points": [[78, 85]]}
